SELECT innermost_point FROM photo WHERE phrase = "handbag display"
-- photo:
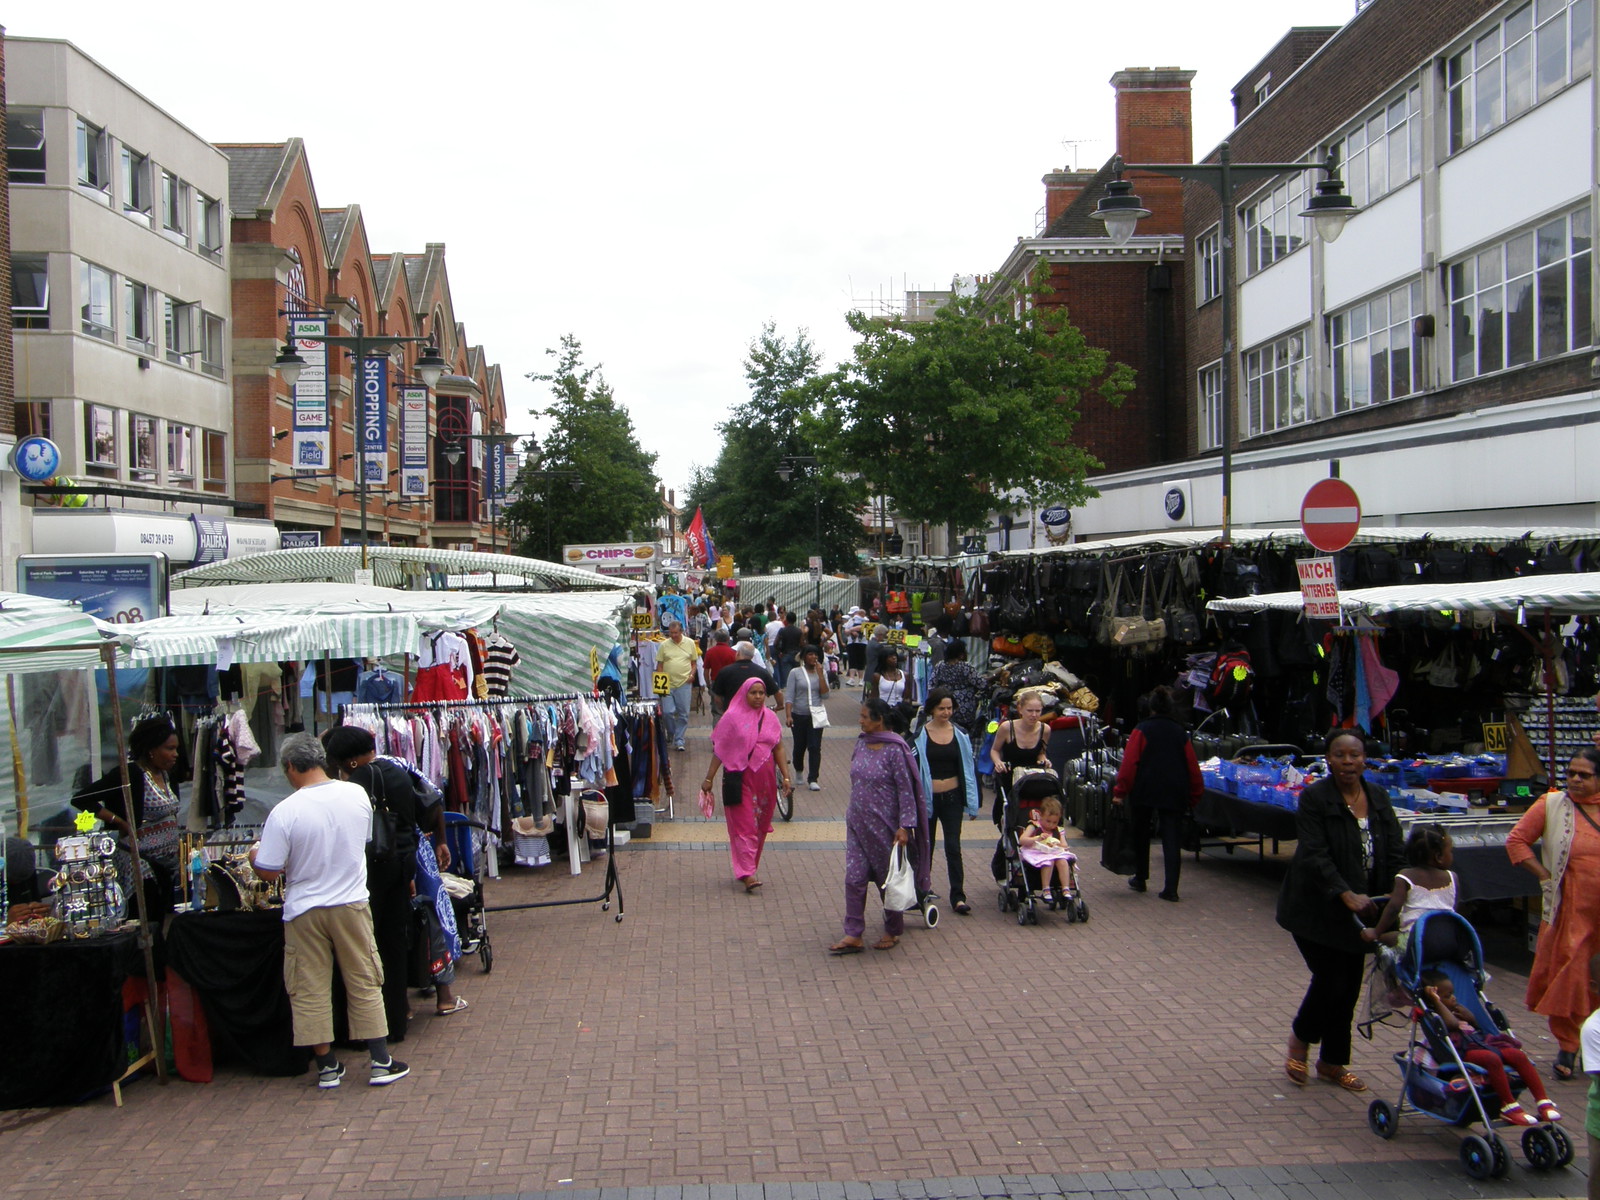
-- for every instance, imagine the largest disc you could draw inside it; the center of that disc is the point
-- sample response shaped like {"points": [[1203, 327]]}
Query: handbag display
{"points": [[899, 887], [1138, 629]]}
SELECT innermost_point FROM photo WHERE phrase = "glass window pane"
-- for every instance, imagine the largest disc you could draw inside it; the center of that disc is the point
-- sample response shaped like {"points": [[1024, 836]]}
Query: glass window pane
{"points": [[1489, 267], [1491, 329], [1358, 322], [1486, 113], [1582, 314], [1355, 175], [100, 435], [1414, 148], [1460, 116], [1379, 309], [1519, 256], [1519, 78], [1377, 167], [1552, 39], [1463, 343], [1519, 24], [1582, 21], [1553, 310], [1400, 363], [1378, 366], [1552, 240]]}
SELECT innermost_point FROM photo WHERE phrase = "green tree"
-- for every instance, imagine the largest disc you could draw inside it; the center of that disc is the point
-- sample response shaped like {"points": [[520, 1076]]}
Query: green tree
{"points": [[592, 440], [763, 521], [949, 414]]}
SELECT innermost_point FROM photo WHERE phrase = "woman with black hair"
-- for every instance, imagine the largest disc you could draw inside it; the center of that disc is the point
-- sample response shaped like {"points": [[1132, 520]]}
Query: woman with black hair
{"points": [[153, 753]]}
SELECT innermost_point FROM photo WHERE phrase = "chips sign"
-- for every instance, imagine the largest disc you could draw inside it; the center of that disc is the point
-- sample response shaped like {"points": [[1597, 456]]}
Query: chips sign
{"points": [[1320, 587], [1330, 515]]}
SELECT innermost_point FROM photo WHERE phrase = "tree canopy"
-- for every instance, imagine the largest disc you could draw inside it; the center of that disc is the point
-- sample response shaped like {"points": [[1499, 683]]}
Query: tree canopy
{"points": [[591, 440], [763, 521], [948, 415]]}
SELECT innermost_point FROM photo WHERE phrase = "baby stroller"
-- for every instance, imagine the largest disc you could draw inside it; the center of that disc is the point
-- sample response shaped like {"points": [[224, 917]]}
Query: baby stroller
{"points": [[463, 835], [1435, 1082], [1017, 797]]}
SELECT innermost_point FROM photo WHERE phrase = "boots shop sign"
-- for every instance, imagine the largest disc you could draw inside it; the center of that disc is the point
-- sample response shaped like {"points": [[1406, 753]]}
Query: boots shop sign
{"points": [[633, 560]]}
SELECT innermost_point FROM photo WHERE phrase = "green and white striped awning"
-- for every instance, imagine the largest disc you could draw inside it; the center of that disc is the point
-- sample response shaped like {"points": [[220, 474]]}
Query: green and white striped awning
{"points": [[192, 639], [797, 592], [34, 630], [1293, 537], [391, 566]]}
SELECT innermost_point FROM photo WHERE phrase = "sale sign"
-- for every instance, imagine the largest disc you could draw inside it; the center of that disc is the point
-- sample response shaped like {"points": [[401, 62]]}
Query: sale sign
{"points": [[1320, 588]]}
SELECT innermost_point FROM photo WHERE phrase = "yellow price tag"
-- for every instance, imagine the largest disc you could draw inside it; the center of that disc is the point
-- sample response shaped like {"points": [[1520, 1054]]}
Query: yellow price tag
{"points": [[594, 664], [897, 637], [1495, 737], [659, 684], [643, 621]]}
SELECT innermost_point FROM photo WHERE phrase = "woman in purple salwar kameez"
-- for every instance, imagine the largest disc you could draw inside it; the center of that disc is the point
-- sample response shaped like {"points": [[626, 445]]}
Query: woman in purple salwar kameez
{"points": [[885, 811], [749, 738]]}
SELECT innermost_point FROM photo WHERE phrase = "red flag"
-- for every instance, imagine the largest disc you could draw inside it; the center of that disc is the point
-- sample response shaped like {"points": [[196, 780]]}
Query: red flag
{"points": [[699, 540]]}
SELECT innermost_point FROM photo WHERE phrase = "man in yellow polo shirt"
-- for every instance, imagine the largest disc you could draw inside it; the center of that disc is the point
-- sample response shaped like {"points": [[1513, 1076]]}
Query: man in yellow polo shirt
{"points": [[676, 657]]}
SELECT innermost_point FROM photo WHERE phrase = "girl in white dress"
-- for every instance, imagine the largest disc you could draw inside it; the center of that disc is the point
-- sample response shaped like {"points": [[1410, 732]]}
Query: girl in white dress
{"points": [[1426, 885]]}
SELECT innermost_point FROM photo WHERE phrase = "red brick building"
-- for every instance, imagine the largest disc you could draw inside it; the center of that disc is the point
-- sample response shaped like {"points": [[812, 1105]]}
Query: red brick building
{"points": [[289, 253]]}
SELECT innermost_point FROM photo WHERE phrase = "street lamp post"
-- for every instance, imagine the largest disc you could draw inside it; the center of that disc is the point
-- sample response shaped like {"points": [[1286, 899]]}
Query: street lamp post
{"points": [[787, 466], [455, 447], [360, 346], [1329, 209]]}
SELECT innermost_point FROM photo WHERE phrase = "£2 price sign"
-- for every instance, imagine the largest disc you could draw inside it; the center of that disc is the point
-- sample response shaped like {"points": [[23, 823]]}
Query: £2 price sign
{"points": [[659, 684]]}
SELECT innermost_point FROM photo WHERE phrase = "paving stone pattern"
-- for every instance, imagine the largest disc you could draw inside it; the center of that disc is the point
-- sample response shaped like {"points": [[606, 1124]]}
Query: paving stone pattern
{"points": [[706, 1048]]}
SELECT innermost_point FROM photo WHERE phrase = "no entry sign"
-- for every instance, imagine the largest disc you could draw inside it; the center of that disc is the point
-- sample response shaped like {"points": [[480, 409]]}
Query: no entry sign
{"points": [[1330, 515]]}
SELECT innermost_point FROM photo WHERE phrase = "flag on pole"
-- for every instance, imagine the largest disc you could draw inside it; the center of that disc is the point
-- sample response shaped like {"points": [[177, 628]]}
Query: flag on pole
{"points": [[700, 548]]}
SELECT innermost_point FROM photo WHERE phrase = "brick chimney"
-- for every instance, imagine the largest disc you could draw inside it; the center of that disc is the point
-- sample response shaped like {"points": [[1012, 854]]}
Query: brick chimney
{"points": [[1061, 188], [1153, 126]]}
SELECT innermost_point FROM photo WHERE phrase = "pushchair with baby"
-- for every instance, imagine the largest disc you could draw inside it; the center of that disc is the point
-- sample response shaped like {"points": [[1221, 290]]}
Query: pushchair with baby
{"points": [[1017, 798], [1435, 1080]]}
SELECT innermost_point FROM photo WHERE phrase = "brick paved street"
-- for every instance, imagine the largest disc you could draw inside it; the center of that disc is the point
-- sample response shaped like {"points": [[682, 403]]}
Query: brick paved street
{"points": [[706, 1048]]}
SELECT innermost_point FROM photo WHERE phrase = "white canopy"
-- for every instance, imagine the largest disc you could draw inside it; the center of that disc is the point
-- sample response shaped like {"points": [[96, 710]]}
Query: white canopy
{"points": [[34, 631], [797, 591], [1367, 535], [1568, 595]]}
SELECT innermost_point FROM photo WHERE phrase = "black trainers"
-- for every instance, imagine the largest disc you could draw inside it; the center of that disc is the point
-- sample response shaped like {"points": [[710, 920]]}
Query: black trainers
{"points": [[386, 1073], [330, 1077]]}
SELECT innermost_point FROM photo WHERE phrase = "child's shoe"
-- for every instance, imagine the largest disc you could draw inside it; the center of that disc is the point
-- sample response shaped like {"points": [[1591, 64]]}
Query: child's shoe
{"points": [[1548, 1111], [1515, 1114]]}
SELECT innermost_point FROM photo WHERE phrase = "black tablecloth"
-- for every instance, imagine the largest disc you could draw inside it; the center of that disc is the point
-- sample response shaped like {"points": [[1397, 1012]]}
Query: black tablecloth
{"points": [[1229, 814], [234, 961], [1485, 873], [62, 1013]]}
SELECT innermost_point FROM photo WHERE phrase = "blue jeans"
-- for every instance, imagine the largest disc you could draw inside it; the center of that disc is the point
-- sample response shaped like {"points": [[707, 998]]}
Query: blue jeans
{"points": [[675, 707]]}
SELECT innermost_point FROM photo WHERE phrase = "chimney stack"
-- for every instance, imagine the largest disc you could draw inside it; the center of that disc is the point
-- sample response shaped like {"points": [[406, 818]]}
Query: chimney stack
{"points": [[1153, 126], [1061, 188]]}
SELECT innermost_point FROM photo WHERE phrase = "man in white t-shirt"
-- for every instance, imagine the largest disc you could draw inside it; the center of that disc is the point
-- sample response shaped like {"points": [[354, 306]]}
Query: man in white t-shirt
{"points": [[315, 840]]}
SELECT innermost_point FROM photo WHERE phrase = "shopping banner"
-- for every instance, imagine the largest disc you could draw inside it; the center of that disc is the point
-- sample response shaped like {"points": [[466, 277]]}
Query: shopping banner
{"points": [[311, 450], [497, 470], [374, 430], [414, 443], [700, 551]]}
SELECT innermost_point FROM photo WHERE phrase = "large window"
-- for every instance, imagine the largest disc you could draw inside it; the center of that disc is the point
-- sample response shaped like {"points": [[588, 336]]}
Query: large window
{"points": [[1530, 297], [1211, 401], [1273, 228], [209, 225], [1383, 152], [1376, 353], [180, 454], [174, 207], [144, 457], [1520, 61], [216, 461], [30, 292], [136, 315], [137, 191], [1275, 384], [97, 302], [178, 321], [100, 439], [94, 164], [212, 350], [25, 144], [1208, 249], [33, 418]]}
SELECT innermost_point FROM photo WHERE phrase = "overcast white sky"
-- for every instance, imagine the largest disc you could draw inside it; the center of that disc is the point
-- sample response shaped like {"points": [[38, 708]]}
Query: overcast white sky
{"points": [[660, 179]]}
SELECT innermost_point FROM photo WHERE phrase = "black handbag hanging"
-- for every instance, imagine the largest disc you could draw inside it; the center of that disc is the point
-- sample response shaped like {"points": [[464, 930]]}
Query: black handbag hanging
{"points": [[1116, 851], [384, 842]]}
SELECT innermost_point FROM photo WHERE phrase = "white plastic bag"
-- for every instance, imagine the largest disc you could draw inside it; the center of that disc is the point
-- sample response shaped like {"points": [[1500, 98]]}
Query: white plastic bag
{"points": [[899, 889]]}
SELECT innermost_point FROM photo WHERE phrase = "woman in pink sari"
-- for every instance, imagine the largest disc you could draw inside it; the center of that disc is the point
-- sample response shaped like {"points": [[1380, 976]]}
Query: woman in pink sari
{"points": [[746, 743]]}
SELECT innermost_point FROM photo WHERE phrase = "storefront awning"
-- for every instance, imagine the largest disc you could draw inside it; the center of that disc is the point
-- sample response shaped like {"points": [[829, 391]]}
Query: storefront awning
{"points": [[1564, 595]]}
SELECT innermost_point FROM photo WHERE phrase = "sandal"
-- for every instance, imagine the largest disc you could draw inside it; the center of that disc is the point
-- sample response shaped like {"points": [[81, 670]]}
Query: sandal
{"points": [[1515, 1114], [751, 885], [1566, 1064], [1298, 1070], [459, 1006], [1340, 1076], [838, 949], [1548, 1110], [886, 942], [963, 908]]}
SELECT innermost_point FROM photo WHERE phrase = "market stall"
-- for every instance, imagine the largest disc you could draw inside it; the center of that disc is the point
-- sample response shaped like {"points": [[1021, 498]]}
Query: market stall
{"points": [[422, 567], [798, 592]]}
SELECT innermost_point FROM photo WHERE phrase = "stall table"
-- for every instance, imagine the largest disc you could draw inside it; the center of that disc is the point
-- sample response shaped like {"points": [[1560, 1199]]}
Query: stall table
{"points": [[66, 1011]]}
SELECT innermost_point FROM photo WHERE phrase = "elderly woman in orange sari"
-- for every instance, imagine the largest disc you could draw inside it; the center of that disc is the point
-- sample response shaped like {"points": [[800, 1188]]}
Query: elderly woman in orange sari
{"points": [[745, 745], [1566, 826]]}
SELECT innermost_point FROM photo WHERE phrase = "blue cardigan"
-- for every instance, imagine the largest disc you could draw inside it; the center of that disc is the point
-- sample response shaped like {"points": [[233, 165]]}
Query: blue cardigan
{"points": [[968, 775]]}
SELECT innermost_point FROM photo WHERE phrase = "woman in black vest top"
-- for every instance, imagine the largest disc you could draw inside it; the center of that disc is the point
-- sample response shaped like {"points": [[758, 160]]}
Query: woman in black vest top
{"points": [[1160, 781]]}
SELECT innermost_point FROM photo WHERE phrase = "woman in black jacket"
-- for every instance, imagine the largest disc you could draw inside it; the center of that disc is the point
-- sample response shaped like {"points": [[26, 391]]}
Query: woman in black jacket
{"points": [[1350, 846]]}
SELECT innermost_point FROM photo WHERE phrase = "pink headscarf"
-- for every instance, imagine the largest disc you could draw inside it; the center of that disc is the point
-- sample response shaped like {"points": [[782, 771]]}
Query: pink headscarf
{"points": [[745, 736]]}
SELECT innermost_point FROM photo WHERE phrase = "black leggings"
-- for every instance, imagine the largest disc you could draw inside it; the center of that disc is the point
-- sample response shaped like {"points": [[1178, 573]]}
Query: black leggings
{"points": [[1170, 825], [949, 810], [1329, 1006]]}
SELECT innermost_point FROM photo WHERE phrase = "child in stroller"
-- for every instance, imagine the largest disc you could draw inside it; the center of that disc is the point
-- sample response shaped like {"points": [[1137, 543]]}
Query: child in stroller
{"points": [[1454, 1065], [1032, 853]]}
